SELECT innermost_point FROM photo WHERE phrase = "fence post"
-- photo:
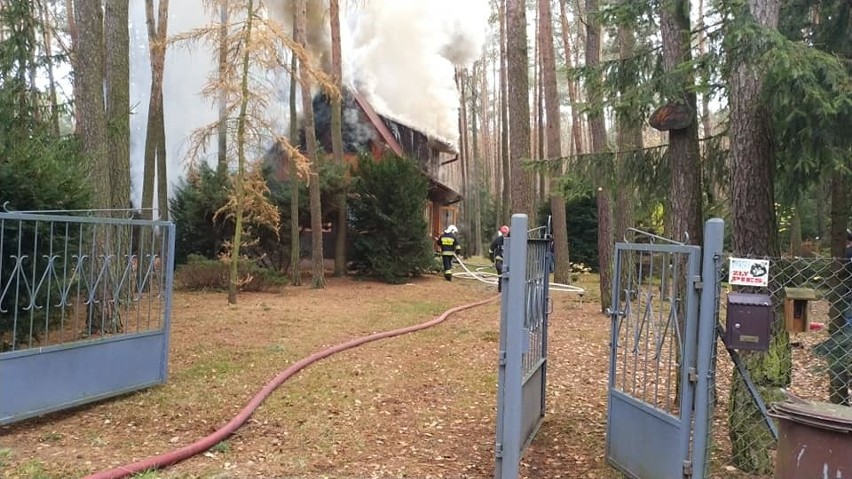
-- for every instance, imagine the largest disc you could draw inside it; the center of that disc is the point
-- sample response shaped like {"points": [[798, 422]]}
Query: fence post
{"points": [[509, 449], [714, 233]]}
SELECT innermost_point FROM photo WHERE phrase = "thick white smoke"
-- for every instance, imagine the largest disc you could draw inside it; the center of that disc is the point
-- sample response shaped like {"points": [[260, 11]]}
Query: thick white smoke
{"points": [[401, 54], [185, 75]]}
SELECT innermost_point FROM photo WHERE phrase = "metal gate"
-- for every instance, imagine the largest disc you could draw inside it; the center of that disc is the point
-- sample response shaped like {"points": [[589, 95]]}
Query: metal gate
{"points": [[522, 376], [84, 309], [661, 356]]}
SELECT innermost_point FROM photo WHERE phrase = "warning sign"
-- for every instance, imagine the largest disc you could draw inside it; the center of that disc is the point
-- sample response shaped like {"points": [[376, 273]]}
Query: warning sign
{"points": [[749, 272]]}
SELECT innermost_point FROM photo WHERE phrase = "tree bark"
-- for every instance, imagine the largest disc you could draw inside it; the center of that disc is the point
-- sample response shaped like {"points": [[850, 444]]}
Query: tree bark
{"points": [[505, 160], [337, 136], [91, 109], [754, 233], [117, 48], [239, 181], [684, 159], [222, 134], [598, 134], [318, 270], [476, 161], [155, 134], [554, 142], [838, 375], [629, 141], [519, 104], [295, 241], [71, 13]]}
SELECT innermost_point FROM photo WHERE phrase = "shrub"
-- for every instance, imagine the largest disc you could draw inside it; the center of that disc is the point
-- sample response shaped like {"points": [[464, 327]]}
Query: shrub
{"points": [[389, 234], [202, 274]]}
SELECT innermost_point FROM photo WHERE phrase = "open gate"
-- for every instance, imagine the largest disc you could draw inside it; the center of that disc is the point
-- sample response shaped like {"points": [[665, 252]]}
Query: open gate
{"points": [[522, 377], [661, 356]]}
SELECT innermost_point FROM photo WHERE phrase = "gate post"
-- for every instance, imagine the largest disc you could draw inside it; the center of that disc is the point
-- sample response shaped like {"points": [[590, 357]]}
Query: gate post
{"points": [[714, 233], [512, 338]]}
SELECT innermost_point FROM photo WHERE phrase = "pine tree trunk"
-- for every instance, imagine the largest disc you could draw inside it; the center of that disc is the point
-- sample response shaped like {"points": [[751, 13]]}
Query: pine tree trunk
{"points": [[519, 121], [318, 270], [91, 109], [684, 159], [295, 241], [754, 233], [839, 391], [629, 140], [71, 12], [476, 161], [505, 160], [598, 133], [239, 180], [155, 131], [573, 96], [117, 48], [554, 142], [222, 136], [337, 137]]}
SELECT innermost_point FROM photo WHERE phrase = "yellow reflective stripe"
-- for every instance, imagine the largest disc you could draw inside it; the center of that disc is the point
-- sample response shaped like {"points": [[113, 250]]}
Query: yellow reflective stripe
{"points": [[447, 241]]}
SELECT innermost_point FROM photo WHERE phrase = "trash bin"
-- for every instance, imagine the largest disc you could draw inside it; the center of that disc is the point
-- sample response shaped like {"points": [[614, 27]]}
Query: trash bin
{"points": [[814, 440]]}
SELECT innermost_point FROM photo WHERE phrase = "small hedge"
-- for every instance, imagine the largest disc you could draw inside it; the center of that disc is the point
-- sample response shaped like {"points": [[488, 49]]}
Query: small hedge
{"points": [[202, 274]]}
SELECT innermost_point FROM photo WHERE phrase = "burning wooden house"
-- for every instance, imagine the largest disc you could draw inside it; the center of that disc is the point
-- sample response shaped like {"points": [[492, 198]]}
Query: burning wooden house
{"points": [[364, 130]]}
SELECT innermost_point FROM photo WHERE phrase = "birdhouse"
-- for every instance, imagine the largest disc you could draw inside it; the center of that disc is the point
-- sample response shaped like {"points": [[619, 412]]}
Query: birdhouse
{"points": [[796, 306]]}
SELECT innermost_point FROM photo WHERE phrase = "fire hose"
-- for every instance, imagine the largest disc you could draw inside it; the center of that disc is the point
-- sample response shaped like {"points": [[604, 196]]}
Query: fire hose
{"points": [[202, 445], [488, 277]]}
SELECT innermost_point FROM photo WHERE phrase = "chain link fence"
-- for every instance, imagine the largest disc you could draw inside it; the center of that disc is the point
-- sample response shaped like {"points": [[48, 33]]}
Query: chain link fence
{"points": [[810, 359]]}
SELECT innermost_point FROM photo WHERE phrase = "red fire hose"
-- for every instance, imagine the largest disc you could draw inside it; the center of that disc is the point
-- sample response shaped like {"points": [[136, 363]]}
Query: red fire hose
{"points": [[177, 455]]}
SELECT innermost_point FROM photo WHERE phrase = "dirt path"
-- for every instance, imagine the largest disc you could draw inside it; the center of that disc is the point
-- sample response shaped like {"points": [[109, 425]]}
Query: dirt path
{"points": [[421, 405]]}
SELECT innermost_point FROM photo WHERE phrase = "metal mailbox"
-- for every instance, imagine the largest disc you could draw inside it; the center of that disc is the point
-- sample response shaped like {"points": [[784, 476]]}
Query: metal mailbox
{"points": [[749, 321]]}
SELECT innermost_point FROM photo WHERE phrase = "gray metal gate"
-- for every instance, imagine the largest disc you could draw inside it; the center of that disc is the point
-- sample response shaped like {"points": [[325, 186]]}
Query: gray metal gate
{"points": [[522, 377], [661, 356], [84, 309]]}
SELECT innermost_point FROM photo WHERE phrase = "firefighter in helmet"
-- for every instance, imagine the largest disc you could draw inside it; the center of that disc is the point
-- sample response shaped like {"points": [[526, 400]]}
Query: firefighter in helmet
{"points": [[495, 252], [450, 246]]}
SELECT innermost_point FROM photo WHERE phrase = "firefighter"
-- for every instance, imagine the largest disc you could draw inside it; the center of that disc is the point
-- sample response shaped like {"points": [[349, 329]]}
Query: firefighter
{"points": [[449, 247], [495, 252]]}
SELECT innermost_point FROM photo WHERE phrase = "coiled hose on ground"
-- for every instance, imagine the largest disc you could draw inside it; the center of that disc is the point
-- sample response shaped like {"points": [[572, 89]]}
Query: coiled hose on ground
{"points": [[198, 447], [488, 277]]}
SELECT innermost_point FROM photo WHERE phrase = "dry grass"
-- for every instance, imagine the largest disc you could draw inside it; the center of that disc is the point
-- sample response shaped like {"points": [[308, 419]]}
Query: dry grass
{"points": [[419, 406]]}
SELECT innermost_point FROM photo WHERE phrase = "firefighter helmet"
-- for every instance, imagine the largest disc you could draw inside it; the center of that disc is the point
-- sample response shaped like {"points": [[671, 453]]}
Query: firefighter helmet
{"points": [[504, 230], [451, 229]]}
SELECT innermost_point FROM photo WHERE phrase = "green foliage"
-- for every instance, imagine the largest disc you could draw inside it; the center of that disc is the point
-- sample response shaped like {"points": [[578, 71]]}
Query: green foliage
{"points": [[389, 234], [202, 274], [582, 217], [196, 200]]}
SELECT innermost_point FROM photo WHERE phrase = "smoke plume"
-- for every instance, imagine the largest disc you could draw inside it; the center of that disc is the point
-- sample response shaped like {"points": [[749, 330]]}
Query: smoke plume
{"points": [[401, 55]]}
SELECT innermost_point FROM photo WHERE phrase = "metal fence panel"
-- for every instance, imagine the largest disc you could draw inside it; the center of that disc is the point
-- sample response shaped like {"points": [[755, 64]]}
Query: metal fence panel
{"points": [[653, 359], [84, 309], [522, 372]]}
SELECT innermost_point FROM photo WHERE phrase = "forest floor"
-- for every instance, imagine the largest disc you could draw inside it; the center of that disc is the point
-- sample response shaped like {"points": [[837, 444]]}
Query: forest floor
{"points": [[421, 405]]}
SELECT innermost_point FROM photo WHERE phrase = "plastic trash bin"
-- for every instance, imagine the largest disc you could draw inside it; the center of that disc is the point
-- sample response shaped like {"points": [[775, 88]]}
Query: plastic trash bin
{"points": [[815, 440]]}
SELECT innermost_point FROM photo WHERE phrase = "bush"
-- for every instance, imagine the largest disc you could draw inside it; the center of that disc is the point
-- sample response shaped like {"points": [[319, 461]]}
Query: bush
{"points": [[582, 218], [202, 274], [389, 234]]}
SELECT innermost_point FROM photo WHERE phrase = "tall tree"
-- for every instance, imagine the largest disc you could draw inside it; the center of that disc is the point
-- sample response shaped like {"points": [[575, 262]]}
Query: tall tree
{"points": [[318, 270], [91, 107], [506, 197], [117, 61], [295, 240], [599, 146], [517, 64], [222, 139], [754, 232], [47, 38], [337, 136], [554, 141], [155, 133], [683, 151], [573, 96], [629, 134], [477, 158]]}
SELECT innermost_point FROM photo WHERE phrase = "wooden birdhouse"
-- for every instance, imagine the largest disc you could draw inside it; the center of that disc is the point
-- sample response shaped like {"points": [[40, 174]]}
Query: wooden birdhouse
{"points": [[796, 307]]}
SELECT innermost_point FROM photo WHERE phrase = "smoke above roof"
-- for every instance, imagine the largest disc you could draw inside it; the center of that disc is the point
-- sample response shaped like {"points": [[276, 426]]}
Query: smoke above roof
{"points": [[401, 55]]}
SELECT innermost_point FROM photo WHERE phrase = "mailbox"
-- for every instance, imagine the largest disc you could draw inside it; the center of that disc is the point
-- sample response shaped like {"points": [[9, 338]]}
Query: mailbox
{"points": [[796, 302], [749, 321]]}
